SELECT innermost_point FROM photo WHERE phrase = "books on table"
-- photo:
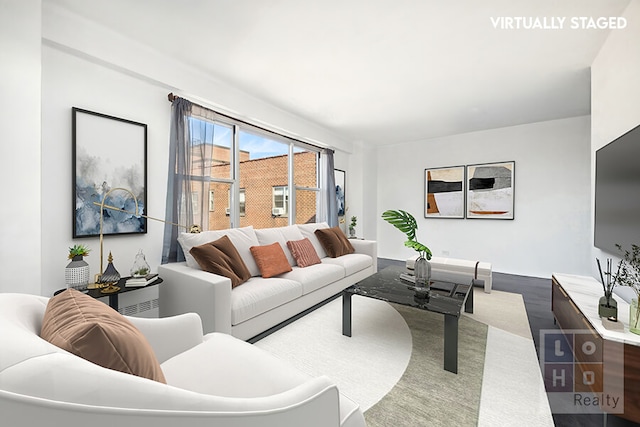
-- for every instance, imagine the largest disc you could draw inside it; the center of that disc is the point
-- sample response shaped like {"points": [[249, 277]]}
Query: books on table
{"points": [[141, 281]]}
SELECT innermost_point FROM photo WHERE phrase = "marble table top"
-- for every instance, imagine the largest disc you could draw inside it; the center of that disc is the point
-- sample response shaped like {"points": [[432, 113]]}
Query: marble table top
{"points": [[585, 292]]}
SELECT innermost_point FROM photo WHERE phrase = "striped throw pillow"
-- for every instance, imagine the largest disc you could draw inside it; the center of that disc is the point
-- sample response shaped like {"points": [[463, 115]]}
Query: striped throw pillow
{"points": [[303, 252]]}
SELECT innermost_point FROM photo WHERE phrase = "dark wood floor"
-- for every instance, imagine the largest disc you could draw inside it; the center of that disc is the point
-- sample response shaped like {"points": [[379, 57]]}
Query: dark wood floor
{"points": [[536, 293]]}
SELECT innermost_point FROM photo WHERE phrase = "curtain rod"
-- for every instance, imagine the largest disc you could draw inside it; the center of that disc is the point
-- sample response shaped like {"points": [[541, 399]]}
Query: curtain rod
{"points": [[171, 97]]}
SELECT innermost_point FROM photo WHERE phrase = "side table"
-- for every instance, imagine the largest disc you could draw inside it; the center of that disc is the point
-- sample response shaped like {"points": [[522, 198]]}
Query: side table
{"points": [[113, 297]]}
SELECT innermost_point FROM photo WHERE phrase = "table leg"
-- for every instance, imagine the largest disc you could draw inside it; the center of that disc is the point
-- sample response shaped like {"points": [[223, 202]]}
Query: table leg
{"points": [[113, 301], [346, 313], [468, 305], [451, 343]]}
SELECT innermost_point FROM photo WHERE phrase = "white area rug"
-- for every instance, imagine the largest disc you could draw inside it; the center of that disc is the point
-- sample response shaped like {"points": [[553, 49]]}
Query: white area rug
{"points": [[366, 366]]}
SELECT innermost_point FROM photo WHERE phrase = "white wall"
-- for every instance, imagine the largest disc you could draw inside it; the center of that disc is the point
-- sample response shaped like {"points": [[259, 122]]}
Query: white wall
{"points": [[88, 66], [20, 248], [69, 81], [615, 94], [550, 231]]}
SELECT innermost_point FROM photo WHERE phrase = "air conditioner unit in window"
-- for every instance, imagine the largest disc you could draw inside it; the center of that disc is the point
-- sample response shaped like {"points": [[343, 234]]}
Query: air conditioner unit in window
{"points": [[227, 211], [277, 211]]}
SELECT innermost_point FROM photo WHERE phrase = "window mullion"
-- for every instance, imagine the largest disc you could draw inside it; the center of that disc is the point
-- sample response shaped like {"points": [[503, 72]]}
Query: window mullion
{"points": [[291, 186], [235, 184]]}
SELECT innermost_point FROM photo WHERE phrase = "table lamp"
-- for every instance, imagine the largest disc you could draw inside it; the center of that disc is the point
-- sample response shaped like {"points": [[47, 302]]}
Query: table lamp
{"points": [[106, 280]]}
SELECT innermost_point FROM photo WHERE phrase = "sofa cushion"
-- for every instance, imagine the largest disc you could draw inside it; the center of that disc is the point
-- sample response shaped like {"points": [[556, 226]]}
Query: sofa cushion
{"points": [[303, 252], [221, 257], [308, 231], [229, 367], [352, 263], [271, 260], [242, 238], [282, 235], [94, 331], [315, 276], [260, 295], [334, 242]]}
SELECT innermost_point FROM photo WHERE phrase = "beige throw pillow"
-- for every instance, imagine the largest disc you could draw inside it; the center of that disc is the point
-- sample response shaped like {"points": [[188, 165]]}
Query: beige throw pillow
{"points": [[94, 331]]}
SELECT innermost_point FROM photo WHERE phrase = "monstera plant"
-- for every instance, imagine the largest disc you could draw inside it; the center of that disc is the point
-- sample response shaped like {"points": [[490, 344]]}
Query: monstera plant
{"points": [[406, 223]]}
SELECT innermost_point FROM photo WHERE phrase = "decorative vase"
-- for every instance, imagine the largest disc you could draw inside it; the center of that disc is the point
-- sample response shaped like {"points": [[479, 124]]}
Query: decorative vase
{"points": [[76, 274], [634, 317], [110, 274], [352, 232], [607, 307], [140, 266], [422, 272]]}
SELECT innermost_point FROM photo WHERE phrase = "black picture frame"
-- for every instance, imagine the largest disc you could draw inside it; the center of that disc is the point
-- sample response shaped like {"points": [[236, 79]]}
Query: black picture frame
{"points": [[107, 152], [491, 190], [340, 177], [444, 192]]}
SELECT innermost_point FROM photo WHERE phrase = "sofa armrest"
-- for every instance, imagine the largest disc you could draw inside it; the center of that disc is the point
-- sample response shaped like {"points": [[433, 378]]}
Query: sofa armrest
{"points": [[170, 336], [367, 247], [188, 290]]}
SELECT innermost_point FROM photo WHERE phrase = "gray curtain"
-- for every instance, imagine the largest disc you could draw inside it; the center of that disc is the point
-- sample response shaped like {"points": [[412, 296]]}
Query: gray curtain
{"points": [[328, 186], [178, 180]]}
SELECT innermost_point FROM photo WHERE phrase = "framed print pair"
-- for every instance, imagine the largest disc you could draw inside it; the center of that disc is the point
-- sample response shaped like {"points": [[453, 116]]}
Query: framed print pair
{"points": [[473, 191]]}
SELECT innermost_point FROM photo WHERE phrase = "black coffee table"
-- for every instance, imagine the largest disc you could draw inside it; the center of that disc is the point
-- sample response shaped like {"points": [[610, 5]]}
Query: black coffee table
{"points": [[446, 298]]}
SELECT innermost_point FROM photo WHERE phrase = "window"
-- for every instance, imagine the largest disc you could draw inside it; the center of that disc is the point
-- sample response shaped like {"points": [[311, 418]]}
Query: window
{"points": [[280, 204], [194, 201], [255, 168], [242, 202]]}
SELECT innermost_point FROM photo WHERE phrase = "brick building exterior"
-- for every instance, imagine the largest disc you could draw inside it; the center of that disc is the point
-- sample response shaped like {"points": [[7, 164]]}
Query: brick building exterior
{"points": [[258, 179]]}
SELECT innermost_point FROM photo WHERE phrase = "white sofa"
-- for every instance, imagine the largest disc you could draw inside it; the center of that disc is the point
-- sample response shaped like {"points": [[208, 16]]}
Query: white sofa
{"points": [[259, 304], [212, 380]]}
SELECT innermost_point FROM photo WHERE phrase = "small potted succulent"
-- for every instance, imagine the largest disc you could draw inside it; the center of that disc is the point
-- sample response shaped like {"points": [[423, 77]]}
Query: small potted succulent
{"points": [[352, 226], [76, 274], [78, 251]]}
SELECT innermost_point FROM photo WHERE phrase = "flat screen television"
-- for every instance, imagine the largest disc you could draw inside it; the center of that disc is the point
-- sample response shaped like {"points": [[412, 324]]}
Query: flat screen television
{"points": [[617, 193]]}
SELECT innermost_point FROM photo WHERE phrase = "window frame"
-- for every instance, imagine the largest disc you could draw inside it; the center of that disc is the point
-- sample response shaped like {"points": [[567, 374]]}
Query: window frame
{"points": [[238, 126]]}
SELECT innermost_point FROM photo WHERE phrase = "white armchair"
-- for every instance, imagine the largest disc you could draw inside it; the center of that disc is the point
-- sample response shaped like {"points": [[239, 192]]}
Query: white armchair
{"points": [[213, 380]]}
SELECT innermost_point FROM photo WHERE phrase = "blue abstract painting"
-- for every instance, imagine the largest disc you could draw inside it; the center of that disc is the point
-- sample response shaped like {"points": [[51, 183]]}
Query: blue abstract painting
{"points": [[108, 153]]}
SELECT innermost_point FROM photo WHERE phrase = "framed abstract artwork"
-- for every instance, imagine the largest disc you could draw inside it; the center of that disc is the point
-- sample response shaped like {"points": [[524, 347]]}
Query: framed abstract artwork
{"points": [[340, 178], [490, 190], [444, 192], [108, 152]]}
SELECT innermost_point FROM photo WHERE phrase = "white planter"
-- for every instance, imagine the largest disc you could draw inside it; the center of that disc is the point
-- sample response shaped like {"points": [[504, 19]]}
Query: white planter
{"points": [[76, 274]]}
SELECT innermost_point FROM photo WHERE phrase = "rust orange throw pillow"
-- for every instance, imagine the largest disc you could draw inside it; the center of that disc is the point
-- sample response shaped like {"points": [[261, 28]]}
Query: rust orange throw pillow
{"points": [[271, 259], [303, 252], [94, 331], [334, 242]]}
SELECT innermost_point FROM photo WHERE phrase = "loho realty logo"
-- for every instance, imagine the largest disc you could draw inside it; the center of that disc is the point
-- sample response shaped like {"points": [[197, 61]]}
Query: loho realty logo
{"points": [[558, 23], [581, 374]]}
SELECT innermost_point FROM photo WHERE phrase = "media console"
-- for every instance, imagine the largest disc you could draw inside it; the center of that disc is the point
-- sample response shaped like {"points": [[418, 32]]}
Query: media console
{"points": [[574, 302]]}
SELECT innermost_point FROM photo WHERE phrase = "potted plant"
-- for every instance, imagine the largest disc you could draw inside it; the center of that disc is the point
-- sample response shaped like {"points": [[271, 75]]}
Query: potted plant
{"points": [[629, 275], [352, 226], [78, 251], [76, 274], [406, 223]]}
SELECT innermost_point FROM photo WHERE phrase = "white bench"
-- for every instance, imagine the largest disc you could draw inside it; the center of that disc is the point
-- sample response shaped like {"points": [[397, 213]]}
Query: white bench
{"points": [[474, 269]]}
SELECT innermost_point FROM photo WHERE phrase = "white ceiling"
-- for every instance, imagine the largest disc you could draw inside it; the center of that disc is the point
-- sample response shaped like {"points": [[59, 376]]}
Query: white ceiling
{"points": [[378, 71]]}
